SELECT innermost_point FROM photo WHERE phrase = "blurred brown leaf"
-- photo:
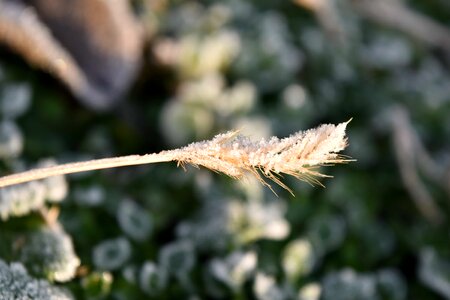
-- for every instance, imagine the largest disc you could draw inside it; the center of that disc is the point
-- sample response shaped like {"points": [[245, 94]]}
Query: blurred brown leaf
{"points": [[93, 46]]}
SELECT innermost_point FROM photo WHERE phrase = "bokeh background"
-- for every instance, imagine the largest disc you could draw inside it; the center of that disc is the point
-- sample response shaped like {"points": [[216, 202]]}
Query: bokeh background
{"points": [[86, 79]]}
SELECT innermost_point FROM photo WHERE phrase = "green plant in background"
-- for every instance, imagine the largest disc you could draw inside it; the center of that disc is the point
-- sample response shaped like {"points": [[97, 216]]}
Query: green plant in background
{"points": [[49, 252], [379, 230]]}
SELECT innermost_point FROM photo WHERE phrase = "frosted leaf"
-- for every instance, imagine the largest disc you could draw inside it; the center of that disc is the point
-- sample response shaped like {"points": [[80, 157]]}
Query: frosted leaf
{"points": [[214, 288], [347, 284], [152, 278], [202, 55], [111, 254], [49, 252], [180, 123], [207, 229], [391, 285], [294, 96], [235, 269], [177, 258], [381, 233], [134, 220], [222, 221], [269, 57], [314, 40], [19, 200], [15, 283], [129, 273], [387, 52], [11, 140], [326, 232], [242, 266], [203, 91], [92, 195], [238, 99], [255, 220], [56, 187], [298, 259], [265, 288], [277, 230], [434, 272], [15, 99], [311, 291]]}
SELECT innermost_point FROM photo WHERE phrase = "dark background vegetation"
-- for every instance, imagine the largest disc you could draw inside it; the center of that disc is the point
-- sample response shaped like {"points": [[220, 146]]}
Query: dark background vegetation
{"points": [[380, 228]]}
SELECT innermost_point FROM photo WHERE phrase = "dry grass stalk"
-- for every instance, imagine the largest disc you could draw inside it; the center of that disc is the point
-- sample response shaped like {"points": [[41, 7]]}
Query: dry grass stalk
{"points": [[298, 155]]}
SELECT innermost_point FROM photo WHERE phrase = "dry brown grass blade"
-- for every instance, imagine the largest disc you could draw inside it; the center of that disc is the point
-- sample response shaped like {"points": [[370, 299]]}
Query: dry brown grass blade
{"points": [[298, 155]]}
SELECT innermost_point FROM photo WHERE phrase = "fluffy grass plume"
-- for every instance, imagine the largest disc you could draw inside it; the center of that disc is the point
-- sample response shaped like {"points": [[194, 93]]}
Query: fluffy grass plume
{"points": [[299, 155]]}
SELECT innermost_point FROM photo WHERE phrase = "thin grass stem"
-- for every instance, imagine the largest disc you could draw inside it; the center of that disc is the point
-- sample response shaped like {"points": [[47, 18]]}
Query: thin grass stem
{"points": [[298, 155]]}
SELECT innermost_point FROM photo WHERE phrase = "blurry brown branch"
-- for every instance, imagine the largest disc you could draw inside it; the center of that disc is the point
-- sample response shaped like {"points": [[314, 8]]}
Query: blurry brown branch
{"points": [[328, 18], [412, 156], [92, 46], [21, 30], [395, 14], [390, 13]]}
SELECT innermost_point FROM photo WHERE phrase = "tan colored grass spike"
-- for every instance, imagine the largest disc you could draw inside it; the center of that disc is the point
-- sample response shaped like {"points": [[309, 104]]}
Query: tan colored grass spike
{"points": [[298, 155]]}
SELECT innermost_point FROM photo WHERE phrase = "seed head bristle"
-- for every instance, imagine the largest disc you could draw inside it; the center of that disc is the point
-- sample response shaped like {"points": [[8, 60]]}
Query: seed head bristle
{"points": [[298, 155]]}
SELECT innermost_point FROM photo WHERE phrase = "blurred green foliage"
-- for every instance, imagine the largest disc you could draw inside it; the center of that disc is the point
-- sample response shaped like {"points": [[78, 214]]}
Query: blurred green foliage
{"points": [[156, 232]]}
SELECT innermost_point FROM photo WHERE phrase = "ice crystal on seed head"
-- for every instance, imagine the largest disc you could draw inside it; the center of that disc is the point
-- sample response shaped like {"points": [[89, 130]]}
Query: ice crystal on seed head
{"points": [[298, 155]]}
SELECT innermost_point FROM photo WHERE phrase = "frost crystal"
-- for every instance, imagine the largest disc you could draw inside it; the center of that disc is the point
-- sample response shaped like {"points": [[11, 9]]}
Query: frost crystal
{"points": [[298, 155], [15, 283], [49, 252]]}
